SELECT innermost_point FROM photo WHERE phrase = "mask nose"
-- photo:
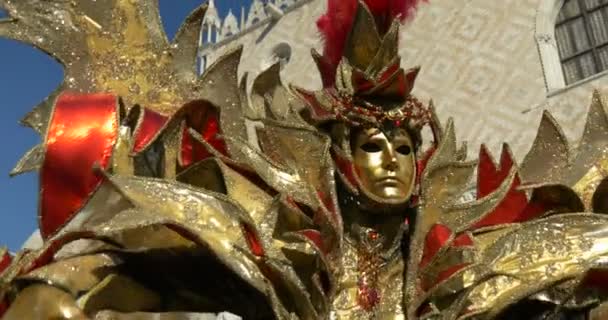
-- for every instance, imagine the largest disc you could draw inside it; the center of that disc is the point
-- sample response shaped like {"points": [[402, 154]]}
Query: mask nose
{"points": [[390, 162]]}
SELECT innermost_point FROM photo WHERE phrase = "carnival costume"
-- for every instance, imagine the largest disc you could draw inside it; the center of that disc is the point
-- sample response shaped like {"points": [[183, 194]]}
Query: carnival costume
{"points": [[156, 203]]}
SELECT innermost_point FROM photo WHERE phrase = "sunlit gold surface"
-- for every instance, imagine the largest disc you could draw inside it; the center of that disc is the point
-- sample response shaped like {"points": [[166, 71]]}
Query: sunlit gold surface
{"points": [[116, 46], [553, 162], [118, 292], [40, 302], [78, 274], [390, 277], [556, 249], [386, 165], [120, 47]]}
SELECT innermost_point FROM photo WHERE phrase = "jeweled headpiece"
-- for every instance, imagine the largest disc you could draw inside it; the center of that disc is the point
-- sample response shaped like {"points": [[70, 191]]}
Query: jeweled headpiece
{"points": [[363, 83]]}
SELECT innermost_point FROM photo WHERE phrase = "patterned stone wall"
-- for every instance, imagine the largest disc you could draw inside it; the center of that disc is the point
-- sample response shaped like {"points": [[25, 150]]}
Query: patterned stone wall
{"points": [[297, 28], [480, 64]]}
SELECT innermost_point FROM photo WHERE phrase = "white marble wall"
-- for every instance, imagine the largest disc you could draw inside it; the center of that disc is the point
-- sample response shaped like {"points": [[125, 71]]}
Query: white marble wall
{"points": [[480, 64]]}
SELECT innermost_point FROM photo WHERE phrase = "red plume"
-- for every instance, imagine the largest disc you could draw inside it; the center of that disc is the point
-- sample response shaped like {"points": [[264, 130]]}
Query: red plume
{"points": [[334, 26], [337, 22], [386, 10]]}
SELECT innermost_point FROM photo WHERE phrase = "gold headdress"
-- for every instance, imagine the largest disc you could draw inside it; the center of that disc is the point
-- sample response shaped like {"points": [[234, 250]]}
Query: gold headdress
{"points": [[363, 81]]}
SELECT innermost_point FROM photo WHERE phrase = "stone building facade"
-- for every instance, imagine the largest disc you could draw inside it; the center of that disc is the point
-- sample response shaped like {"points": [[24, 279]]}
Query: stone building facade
{"points": [[493, 66]]}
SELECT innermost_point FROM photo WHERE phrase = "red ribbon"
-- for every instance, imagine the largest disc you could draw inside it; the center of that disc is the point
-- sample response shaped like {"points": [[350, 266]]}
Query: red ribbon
{"points": [[148, 129], [204, 119], [81, 134]]}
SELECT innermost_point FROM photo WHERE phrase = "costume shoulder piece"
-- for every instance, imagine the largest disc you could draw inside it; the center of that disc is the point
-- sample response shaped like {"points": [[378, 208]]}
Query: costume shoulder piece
{"points": [[523, 239], [160, 166]]}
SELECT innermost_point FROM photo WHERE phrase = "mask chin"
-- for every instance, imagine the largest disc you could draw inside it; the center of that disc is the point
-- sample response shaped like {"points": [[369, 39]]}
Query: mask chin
{"points": [[381, 205]]}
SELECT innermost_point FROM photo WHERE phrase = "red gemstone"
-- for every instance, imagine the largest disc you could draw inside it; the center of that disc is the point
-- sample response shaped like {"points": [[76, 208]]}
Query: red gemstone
{"points": [[368, 297], [373, 235]]}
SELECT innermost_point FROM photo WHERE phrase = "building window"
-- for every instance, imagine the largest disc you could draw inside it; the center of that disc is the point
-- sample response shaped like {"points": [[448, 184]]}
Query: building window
{"points": [[581, 31]]}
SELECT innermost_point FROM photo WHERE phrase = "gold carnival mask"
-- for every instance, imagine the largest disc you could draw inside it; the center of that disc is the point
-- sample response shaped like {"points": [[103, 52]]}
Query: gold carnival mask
{"points": [[386, 165]]}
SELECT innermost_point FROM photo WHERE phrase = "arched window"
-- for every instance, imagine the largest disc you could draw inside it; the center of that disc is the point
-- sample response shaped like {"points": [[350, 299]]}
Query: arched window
{"points": [[207, 34], [581, 32]]}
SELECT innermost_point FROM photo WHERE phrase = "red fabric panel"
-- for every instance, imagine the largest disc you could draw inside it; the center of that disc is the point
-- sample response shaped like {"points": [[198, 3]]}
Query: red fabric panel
{"points": [[81, 135]]}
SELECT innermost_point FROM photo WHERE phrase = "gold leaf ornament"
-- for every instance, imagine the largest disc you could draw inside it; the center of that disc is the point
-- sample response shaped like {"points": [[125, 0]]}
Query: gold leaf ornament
{"points": [[115, 46]]}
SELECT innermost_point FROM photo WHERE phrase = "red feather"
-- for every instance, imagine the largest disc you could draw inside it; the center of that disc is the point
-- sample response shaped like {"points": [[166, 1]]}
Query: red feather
{"points": [[337, 22], [387, 10], [334, 26]]}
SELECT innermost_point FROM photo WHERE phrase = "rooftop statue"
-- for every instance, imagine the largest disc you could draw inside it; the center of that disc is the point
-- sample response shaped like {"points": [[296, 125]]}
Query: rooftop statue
{"points": [[156, 204]]}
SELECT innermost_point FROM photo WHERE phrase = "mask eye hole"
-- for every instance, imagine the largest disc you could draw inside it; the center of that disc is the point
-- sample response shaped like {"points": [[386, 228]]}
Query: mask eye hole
{"points": [[404, 150], [371, 147]]}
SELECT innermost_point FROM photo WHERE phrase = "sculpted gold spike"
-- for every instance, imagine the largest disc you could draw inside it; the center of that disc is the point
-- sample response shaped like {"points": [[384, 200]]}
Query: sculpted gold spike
{"points": [[128, 55], [122, 162], [264, 88], [364, 40], [446, 150], [31, 161], [549, 154], [551, 162], [388, 53], [594, 140], [281, 177], [220, 87], [37, 117], [273, 101]]}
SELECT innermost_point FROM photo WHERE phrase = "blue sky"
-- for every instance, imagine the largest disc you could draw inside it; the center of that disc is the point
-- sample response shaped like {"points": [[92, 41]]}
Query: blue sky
{"points": [[26, 78]]}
